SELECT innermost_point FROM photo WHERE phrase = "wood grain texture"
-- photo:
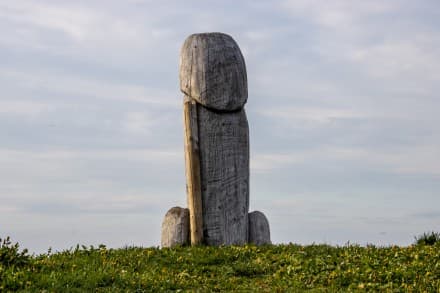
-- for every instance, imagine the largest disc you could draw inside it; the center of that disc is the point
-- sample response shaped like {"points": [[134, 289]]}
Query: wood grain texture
{"points": [[192, 164], [213, 71], [213, 79], [175, 227], [259, 232], [224, 168]]}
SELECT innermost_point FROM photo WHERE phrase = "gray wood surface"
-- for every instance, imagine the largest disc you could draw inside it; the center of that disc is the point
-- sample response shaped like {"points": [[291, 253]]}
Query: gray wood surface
{"points": [[213, 71], [175, 227], [192, 170], [259, 232], [213, 79], [224, 167]]}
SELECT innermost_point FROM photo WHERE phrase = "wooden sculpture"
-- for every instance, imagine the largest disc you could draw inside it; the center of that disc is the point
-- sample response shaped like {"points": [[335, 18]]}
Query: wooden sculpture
{"points": [[214, 82]]}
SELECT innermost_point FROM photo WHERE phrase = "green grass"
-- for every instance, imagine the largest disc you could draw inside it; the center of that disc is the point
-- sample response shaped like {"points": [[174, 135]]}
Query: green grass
{"points": [[319, 268]]}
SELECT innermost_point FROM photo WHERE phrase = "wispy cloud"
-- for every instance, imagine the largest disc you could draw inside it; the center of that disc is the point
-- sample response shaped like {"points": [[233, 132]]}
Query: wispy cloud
{"points": [[341, 14], [320, 115], [417, 160], [414, 60], [76, 22], [359, 35], [27, 108], [81, 87]]}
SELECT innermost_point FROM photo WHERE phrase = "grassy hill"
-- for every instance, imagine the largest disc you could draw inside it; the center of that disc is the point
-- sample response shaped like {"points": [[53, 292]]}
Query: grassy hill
{"points": [[270, 268]]}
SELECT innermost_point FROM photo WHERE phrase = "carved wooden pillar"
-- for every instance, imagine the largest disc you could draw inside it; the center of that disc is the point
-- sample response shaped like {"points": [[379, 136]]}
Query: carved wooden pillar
{"points": [[213, 77], [214, 82]]}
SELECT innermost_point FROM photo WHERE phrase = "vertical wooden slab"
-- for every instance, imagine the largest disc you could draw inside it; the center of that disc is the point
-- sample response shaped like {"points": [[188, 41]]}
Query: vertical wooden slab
{"points": [[192, 168], [224, 167]]}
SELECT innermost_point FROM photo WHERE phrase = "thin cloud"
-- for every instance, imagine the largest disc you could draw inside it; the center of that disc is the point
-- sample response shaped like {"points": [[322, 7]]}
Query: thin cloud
{"points": [[78, 23], [28, 108], [76, 86], [413, 60], [341, 14], [417, 160]]}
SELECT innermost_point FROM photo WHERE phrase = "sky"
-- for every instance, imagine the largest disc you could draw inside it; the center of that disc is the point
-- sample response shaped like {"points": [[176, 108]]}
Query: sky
{"points": [[343, 111]]}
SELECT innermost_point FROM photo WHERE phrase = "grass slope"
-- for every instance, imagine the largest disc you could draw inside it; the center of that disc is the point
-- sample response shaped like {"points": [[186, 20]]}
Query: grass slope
{"points": [[249, 268]]}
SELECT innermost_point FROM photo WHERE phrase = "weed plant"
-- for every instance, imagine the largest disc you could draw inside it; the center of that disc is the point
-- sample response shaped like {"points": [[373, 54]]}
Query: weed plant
{"points": [[430, 238]]}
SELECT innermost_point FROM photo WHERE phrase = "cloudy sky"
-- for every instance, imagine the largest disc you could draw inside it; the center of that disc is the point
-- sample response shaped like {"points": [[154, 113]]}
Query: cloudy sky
{"points": [[343, 112]]}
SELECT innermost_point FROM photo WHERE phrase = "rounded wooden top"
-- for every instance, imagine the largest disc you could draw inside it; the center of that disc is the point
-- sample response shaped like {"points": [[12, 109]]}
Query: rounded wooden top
{"points": [[213, 72]]}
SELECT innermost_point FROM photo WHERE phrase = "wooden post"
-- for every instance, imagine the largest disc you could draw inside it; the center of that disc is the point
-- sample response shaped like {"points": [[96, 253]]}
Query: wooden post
{"points": [[193, 184]]}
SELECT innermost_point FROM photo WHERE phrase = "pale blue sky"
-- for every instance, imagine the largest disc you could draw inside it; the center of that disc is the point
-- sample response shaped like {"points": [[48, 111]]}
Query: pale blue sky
{"points": [[343, 112]]}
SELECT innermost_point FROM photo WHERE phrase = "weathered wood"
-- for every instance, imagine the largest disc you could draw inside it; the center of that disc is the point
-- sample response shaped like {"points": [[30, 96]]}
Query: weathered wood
{"points": [[175, 227], [259, 232], [192, 162], [224, 167], [213, 71], [213, 78]]}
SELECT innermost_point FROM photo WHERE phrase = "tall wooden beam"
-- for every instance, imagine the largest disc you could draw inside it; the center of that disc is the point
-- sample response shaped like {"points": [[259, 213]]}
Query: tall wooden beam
{"points": [[193, 180]]}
